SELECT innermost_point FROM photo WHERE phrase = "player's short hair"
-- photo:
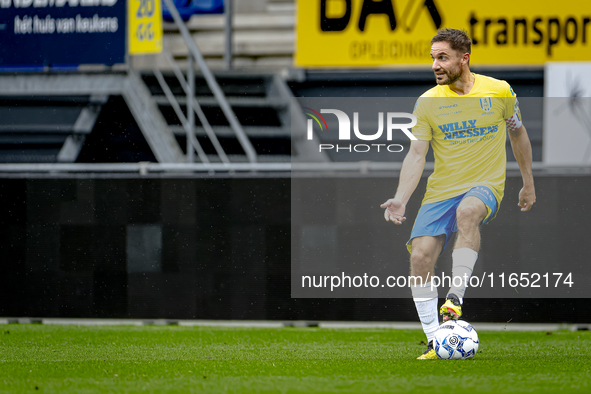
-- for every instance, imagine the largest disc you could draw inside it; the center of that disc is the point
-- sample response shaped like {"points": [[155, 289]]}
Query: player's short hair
{"points": [[458, 39]]}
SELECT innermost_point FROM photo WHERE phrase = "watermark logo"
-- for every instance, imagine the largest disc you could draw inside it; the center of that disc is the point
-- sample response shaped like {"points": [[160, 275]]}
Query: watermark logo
{"points": [[315, 115], [345, 134]]}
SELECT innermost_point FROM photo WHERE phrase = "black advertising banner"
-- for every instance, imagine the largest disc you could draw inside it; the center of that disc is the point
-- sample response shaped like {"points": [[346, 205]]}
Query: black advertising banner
{"points": [[61, 32]]}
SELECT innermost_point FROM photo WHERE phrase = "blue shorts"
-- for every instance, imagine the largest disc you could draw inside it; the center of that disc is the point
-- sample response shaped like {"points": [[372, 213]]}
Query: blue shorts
{"points": [[440, 217]]}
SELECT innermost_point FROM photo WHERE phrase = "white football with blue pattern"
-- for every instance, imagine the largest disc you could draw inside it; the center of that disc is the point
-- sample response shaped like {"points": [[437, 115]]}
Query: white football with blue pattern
{"points": [[455, 340]]}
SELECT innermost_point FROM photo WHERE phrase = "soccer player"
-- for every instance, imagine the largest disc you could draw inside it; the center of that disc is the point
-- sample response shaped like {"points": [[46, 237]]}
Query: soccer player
{"points": [[465, 119]]}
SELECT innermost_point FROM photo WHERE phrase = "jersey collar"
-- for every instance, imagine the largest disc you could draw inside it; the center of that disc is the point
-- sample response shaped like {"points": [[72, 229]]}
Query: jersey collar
{"points": [[475, 87]]}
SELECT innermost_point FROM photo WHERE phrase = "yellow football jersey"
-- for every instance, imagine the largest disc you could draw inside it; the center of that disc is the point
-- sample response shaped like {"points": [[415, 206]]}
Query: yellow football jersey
{"points": [[467, 134]]}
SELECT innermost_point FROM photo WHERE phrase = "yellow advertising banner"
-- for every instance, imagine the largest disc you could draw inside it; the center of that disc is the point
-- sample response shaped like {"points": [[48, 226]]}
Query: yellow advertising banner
{"points": [[364, 33], [144, 27]]}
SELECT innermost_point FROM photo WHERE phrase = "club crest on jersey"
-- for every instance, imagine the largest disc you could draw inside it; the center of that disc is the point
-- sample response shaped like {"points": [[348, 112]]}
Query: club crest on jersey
{"points": [[486, 103]]}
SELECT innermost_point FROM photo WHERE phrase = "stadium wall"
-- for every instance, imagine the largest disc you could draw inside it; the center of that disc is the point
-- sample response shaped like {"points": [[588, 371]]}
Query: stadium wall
{"points": [[213, 248]]}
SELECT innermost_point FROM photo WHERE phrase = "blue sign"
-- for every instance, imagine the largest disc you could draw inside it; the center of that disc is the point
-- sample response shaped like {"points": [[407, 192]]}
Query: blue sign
{"points": [[62, 32], [187, 8]]}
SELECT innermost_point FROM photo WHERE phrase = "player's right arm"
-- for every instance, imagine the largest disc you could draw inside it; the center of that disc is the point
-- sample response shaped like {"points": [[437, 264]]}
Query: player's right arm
{"points": [[410, 174]]}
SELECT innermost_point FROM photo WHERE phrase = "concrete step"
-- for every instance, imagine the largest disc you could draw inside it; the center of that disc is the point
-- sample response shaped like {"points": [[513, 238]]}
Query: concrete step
{"points": [[281, 20], [255, 63], [10, 139], [244, 159], [227, 132], [283, 6], [241, 87], [46, 115], [37, 128], [249, 43], [33, 155], [247, 102], [262, 41]]}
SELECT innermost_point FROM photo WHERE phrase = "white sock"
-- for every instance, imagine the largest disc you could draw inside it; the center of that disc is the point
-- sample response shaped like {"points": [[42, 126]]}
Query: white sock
{"points": [[425, 300], [463, 260]]}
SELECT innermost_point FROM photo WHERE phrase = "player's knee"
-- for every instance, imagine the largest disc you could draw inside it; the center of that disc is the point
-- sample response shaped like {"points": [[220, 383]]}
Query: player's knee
{"points": [[468, 216], [420, 261]]}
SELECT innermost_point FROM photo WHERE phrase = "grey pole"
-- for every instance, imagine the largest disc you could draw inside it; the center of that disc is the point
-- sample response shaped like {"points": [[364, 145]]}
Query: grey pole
{"points": [[212, 83], [228, 34], [190, 113]]}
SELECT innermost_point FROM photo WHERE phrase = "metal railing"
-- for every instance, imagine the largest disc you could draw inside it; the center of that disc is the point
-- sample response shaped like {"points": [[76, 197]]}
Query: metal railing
{"points": [[193, 106], [144, 168]]}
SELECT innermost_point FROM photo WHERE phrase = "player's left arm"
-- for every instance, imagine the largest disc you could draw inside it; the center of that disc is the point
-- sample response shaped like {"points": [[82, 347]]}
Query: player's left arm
{"points": [[522, 150]]}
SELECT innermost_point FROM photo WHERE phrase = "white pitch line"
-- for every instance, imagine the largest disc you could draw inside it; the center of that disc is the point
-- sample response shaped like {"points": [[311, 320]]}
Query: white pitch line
{"points": [[478, 326], [279, 324]]}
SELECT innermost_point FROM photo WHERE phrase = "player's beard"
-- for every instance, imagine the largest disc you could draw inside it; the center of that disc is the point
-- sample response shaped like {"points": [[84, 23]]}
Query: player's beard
{"points": [[451, 77]]}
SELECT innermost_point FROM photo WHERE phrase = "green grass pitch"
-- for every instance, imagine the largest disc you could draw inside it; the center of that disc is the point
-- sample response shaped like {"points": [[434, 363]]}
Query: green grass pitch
{"points": [[80, 359]]}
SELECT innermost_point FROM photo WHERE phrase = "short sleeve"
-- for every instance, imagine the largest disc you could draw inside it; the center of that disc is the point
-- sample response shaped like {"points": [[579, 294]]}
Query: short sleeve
{"points": [[422, 130], [512, 112]]}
